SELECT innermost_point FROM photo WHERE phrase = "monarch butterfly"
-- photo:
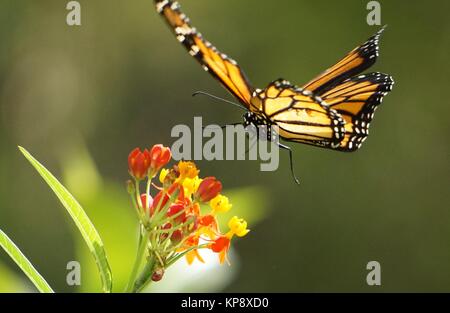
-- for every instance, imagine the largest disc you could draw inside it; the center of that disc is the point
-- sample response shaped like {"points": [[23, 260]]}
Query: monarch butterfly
{"points": [[334, 110]]}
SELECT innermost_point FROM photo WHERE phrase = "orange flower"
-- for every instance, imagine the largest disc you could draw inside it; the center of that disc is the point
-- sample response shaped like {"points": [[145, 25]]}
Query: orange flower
{"points": [[138, 163], [221, 245], [192, 225], [187, 169], [192, 255], [207, 220], [190, 242], [194, 208]]}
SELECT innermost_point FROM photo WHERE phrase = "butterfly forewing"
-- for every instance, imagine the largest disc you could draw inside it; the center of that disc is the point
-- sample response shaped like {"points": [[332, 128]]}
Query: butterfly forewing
{"points": [[354, 63], [218, 64]]}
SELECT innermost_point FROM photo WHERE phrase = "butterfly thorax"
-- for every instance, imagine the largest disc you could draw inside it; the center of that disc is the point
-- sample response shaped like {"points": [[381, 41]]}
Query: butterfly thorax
{"points": [[260, 125], [256, 119]]}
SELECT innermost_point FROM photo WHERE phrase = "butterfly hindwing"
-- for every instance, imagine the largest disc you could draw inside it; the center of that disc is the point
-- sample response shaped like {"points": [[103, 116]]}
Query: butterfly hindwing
{"points": [[218, 64], [354, 63], [300, 116], [356, 100], [339, 119]]}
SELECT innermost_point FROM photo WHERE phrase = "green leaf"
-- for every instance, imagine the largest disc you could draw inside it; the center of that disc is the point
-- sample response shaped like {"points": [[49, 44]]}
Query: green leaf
{"points": [[23, 263], [80, 218]]}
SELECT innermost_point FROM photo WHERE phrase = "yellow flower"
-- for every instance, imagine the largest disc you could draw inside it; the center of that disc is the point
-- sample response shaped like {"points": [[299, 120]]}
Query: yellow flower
{"points": [[191, 185], [220, 204], [187, 170], [163, 174], [238, 226]]}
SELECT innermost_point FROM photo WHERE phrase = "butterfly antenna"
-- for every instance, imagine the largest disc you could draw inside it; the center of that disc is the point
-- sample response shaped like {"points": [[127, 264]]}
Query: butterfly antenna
{"points": [[202, 93]]}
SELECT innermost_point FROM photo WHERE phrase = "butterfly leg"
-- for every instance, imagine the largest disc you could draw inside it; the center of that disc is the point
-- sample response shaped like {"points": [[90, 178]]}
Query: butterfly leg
{"points": [[253, 133], [290, 161], [252, 144]]}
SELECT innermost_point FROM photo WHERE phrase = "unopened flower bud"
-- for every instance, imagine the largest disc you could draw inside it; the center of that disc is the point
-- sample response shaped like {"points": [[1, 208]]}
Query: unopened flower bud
{"points": [[165, 227], [176, 209], [138, 163], [209, 188], [159, 156], [158, 274], [176, 237]]}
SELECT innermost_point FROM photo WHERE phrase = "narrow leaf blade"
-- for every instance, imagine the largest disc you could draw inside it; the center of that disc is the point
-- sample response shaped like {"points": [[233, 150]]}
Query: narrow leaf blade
{"points": [[25, 265], [82, 221]]}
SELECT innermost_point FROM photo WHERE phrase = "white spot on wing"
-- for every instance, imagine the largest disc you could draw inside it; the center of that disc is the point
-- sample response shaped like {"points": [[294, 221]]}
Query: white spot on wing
{"points": [[160, 5]]}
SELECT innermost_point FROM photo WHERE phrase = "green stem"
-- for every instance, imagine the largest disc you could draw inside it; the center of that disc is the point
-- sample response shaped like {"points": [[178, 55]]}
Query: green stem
{"points": [[138, 195], [137, 263], [146, 275]]}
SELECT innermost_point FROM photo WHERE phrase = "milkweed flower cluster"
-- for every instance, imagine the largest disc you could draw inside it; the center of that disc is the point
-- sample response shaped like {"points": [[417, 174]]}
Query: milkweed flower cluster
{"points": [[181, 217]]}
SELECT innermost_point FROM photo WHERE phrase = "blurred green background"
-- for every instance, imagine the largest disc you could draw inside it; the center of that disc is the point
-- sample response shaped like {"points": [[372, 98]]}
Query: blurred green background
{"points": [[80, 98]]}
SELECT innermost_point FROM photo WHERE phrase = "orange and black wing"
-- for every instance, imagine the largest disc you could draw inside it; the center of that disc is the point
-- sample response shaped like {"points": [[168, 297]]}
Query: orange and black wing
{"points": [[300, 116], [356, 100], [218, 64], [354, 63]]}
